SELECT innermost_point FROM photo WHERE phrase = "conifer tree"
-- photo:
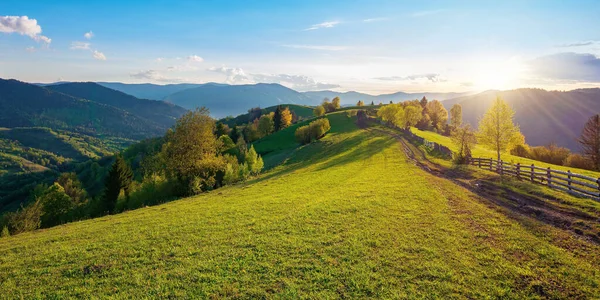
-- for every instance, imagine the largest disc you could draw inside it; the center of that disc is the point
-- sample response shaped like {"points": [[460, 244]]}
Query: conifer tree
{"points": [[119, 179]]}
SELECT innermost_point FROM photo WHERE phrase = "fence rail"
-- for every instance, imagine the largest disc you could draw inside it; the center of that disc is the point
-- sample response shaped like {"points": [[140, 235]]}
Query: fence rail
{"points": [[572, 183]]}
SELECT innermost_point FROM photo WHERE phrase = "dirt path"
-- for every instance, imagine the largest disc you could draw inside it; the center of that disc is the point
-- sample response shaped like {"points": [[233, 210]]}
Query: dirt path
{"points": [[495, 190]]}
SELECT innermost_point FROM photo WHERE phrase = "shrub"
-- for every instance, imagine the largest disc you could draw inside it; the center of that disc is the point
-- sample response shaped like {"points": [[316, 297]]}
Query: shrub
{"points": [[550, 154], [579, 161], [153, 190], [5, 232], [27, 218], [521, 151], [313, 131]]}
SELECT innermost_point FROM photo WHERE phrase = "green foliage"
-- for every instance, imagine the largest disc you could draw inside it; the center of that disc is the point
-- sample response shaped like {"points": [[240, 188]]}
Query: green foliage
{"points": [[464, 139], [456, 116], [301, 112], [119, 180], [25, 219], [56, 205], [5, 232], [254, 161], [497, 130], [319, 111], [266, 125], [226, 143], [313, 131], [437, 113]]}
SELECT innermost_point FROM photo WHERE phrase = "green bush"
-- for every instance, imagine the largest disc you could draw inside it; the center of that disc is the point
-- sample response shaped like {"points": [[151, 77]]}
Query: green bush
{"points": [[313, 131]]}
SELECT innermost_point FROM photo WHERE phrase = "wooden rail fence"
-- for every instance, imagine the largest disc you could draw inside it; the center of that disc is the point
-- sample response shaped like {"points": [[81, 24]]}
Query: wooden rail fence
{"points": [[572, 183]]}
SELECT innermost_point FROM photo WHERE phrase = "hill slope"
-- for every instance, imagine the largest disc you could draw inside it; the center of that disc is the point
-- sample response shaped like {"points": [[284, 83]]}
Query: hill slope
{"points": [[232, 100], [347, 216], [159, 112], [544, 116], [300, 110], [28, 105]]}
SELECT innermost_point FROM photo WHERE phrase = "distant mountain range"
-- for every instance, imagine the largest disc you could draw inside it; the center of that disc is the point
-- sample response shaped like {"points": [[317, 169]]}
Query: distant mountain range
{"points": [[86, 108], [232, 100], [543, 116]]}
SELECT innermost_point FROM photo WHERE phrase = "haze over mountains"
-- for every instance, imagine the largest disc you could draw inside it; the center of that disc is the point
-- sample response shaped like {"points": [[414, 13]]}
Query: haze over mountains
{"points": [[544, 116]]}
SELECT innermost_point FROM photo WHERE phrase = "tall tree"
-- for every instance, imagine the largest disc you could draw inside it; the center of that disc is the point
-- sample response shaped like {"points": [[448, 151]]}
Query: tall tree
{"points": [[192, 151], [590, 141], [437, 113], [277, 118], [456, 116], [423, 102], [497, 130], [412, 115], [319, 111], [266, 124], [336, 103], [119, 179], [464, 138], [286, 118]]}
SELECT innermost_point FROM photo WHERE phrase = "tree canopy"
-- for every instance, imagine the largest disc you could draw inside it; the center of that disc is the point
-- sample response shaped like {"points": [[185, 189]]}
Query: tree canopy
{"points": [[497, 130]]}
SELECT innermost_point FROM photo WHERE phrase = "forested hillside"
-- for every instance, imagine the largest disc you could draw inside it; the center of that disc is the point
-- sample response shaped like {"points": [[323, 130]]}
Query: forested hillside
{"points": [[543, 116]]}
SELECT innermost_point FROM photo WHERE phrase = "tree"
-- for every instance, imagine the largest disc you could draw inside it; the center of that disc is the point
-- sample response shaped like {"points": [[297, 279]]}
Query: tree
{"points": [[456, 116], [226, 143], [437, 113], [393, 114], [254, 161], [319, 111], [5, 232], [464, 138], [251, 131], [234, 134], [497, 130], [286, 118], [222, 129], [423, 102], [192, 152], [56, 206], [336, 103], [360, 103], [119, 179], [266, 124], [590, 141], [412, 115], [72, 187], [372, 103], [282, 118]]}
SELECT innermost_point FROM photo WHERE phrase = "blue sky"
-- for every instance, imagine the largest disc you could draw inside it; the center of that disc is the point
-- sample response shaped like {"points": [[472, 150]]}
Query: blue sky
{"points": [[368, 46]]}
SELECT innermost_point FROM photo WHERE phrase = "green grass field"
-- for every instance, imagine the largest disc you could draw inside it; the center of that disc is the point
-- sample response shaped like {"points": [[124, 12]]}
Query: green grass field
{"points": [[480, 151], [348, 216]]}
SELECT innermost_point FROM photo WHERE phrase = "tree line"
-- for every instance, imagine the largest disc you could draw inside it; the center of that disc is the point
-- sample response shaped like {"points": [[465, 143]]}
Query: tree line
{"points": [[194, 156]]}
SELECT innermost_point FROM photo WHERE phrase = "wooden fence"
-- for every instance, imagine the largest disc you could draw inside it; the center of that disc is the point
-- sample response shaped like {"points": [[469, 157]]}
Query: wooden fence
{"points": [[571, 183]]}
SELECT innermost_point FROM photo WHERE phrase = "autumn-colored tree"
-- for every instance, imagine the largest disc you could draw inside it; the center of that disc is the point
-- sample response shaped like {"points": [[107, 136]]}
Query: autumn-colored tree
{"points": [[286, 118], [437, 113], [319, 111], [360, 103], [590, 141], [464, 138], [497, 130], [456, 116]]}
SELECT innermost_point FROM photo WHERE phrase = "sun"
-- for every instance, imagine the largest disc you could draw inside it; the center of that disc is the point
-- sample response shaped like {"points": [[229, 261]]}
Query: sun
{"points": [[497, 74]]}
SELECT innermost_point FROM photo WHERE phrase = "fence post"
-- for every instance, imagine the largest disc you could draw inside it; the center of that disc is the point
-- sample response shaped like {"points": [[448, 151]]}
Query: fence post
{"points": [[532, 173], [479, 160], [598, 182], [549, 176], [491, 164], [519, 171], [501, 167], [569, 177]]}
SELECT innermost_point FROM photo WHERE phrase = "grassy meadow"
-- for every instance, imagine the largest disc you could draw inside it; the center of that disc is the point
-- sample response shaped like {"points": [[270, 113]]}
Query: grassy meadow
{"points": [[480, 151], [347, 216]]}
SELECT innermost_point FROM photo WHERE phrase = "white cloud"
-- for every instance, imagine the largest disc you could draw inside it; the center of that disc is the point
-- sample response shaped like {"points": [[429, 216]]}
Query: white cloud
{"points": [[23, 26], [430, 76], [30, 49], [80, 46], [159, 60], [323, 25], [98, 55], [195, 58], [566, 67], [579, 44], [297, 82], [317, 47], [154, 75], [88, 35], [234, 75], [375, 20]]}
